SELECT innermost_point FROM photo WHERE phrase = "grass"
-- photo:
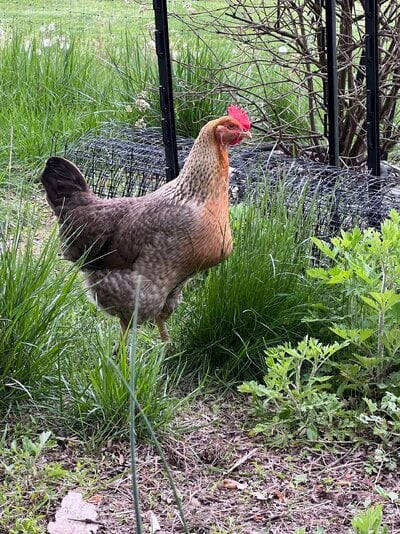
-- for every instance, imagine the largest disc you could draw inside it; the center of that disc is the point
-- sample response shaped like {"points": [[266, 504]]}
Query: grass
{"points": [[65, 69], [56, 85], [256, 298], [57, 93], [92, 19], [32, 297]]}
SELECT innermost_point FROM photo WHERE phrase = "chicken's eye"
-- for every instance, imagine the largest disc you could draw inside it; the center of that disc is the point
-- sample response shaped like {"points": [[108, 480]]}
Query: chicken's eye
{"points": [[231, 127]]}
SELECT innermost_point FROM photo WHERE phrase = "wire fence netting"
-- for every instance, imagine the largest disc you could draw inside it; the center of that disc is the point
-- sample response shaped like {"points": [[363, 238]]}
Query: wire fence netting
{"points": [[120, 160]]}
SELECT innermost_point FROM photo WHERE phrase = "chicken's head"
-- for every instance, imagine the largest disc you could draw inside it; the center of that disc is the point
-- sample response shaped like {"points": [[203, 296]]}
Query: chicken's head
{"points": [[234, 127]]}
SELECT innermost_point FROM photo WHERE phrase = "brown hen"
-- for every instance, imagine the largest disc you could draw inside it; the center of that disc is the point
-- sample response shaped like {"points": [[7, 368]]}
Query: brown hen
{"points": [[163, 238]]}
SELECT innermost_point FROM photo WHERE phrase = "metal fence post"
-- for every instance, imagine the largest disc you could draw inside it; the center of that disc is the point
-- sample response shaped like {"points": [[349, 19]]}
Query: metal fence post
{"points": [[166, 93], [332, 101], [372, 84]]}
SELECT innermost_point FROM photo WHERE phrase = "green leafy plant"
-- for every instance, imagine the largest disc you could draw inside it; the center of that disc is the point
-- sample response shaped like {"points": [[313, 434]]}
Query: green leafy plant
{"points": [[363, 307], [369, 521], [382, 417], [295, 401]]}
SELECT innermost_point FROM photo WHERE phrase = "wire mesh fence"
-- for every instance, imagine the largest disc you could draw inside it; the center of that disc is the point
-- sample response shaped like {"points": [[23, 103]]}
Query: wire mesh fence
{"points": [[120, 160]]}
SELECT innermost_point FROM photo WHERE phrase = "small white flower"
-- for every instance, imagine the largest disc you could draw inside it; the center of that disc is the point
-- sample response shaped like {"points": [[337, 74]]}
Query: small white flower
{"points": [[142, 8], [46, 42], [64, 44], [175, 54], [140, 123], [142, 104], [51, 27], [151, 27], [189, 8], [283, 50], [42, 29], [128, 108]]}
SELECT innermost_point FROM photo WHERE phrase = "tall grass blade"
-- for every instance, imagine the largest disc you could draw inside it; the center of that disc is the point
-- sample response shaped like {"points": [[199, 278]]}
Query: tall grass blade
{"points": [[132, 408], [156, 444], [259, 296]]}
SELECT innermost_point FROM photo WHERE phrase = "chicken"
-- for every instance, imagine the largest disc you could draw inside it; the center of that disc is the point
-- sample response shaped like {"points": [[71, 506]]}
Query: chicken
{"points": [[163, 238]]}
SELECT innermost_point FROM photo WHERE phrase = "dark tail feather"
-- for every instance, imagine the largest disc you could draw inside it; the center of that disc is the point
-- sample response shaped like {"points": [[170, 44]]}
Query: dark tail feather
{"points": [[61, 179]]}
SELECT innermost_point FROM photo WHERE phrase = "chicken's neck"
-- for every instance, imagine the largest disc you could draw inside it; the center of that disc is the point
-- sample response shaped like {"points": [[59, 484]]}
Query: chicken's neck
{"points": [[204, 176]]}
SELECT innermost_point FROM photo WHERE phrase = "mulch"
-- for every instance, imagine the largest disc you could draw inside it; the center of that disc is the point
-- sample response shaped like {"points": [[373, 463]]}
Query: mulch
{"points": [[232, 482]]}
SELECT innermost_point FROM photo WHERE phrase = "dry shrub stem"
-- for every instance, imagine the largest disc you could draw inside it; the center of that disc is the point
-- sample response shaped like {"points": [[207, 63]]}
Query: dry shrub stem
{"points": [[283, 60]]}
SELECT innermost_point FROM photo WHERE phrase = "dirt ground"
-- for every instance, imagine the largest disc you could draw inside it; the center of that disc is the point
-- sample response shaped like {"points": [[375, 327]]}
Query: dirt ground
{"points": [[231, 482]]}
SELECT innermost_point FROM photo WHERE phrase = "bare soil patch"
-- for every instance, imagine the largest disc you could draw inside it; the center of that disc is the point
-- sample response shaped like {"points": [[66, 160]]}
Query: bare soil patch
{"points": [[231, 482]]}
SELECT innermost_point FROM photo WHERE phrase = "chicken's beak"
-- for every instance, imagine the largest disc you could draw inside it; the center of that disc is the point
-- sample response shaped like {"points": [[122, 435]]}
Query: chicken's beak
{"points": [[246, 133]]}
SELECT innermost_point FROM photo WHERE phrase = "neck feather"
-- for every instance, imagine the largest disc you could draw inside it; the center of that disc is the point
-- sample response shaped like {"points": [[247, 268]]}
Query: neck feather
{"points": [[205, 173]]}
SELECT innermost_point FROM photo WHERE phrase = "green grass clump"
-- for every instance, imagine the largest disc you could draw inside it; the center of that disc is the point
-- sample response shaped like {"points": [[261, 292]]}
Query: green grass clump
{"points": [[197, 81], [97, 398], [48, 93], [53, 89], [256, 298], [33, 305]]}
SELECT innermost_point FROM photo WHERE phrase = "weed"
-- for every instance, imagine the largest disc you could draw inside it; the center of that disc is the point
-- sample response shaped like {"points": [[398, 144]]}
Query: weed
{"points": [[296, 402], [363, 306], [30, 482], [369, 521]]}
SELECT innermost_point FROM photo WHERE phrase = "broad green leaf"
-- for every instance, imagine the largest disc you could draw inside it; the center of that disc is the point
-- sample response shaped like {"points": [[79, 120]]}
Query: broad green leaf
{"points": [[324, 247]]}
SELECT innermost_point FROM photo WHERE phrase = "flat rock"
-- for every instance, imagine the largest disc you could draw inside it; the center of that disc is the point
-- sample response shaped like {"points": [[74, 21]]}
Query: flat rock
{"points": [[75, 516]]}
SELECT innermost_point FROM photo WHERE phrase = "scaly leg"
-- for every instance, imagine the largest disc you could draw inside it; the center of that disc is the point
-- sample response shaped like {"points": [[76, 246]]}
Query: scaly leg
{"points": [[124, 328], [161, 322]]}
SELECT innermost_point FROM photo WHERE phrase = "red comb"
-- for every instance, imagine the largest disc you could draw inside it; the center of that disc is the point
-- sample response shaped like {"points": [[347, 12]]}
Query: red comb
{"points": [[237, 113]]}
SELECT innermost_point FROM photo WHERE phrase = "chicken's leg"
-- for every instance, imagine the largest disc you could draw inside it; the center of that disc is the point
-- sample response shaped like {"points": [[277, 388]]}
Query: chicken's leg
{"points": [[124, 327], [161, 322]]}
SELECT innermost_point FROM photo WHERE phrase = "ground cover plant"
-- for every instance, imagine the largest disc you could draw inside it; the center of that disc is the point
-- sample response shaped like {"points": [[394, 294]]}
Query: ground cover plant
{"points": [[318, 319]]}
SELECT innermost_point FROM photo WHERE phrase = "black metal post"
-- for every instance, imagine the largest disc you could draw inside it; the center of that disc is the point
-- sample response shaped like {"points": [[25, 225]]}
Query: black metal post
{"points": [[166, 93], [332, 100], [372, 84]]}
